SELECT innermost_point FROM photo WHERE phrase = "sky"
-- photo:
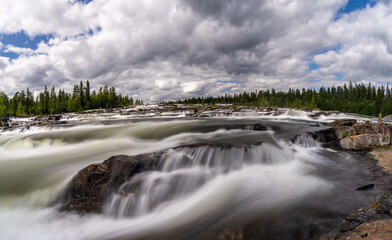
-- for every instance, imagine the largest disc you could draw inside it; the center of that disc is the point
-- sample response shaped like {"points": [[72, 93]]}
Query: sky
{"points": [[170, 49]]}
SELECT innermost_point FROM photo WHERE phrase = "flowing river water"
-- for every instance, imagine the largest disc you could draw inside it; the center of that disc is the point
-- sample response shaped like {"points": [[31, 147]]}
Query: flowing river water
{"points": [[236, 178]]}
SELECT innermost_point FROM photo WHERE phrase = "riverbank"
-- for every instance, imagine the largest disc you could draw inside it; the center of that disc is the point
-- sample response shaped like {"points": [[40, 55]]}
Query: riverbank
{"points": [[374, 221]]}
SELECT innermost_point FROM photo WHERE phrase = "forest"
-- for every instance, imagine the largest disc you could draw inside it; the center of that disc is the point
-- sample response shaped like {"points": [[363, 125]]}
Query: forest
{"points": [[358, 98], [23, 103]]}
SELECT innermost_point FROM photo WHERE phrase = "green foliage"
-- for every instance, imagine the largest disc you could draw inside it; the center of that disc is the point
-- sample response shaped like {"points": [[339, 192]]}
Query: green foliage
{"points": [[24, 104], [358, 98]]}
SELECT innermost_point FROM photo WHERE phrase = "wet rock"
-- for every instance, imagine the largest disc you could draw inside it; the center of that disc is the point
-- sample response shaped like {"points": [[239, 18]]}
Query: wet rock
{"points": [[325, 113], [364, 141], [366, 187], [4, 121], [326, 135], [362, 215], [91, 186], [254, 127], [343, 122], [259, 127]]}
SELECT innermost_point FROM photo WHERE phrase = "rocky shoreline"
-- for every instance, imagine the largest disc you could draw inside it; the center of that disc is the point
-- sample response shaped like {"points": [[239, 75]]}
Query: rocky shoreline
{"points": [[375, 220]]}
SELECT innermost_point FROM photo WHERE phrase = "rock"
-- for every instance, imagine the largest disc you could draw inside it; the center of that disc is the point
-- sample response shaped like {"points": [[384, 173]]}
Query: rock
{"points": [[92, 185], [364, 141], [362, 215], [326, 135], [259, 127], [364, 128], [387, 118], [345, 131], [381, 229], [366, 187], [383, 157], [254, 127], [4, 119], [325, 113], [343, 122]]}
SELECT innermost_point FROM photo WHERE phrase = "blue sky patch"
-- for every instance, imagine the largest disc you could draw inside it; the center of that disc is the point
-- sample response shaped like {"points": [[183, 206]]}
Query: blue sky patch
{"points": [[237, 82], [22, 40], [313, 66], [338, 75], [84, 1], [355, 5]]}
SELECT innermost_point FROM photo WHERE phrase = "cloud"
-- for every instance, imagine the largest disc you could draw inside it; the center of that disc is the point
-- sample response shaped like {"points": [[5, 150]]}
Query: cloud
{"points": [[170, 49]]}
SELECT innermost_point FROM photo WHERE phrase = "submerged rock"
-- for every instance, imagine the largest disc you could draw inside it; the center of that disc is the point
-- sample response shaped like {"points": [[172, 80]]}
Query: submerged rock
{"points": [[366, 187], [343, 122]]}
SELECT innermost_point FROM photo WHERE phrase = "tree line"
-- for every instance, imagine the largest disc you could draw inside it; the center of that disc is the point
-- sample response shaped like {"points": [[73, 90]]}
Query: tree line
{"points": [[23, 103], [358, 98]]}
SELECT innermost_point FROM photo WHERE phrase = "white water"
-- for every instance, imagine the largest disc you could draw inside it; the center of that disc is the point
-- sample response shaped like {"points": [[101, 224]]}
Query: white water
{"points": [[212, 187]]}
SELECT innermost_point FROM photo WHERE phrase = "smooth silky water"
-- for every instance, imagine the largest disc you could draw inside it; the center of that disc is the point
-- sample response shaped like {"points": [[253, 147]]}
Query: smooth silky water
{"points": [[213, 177]]}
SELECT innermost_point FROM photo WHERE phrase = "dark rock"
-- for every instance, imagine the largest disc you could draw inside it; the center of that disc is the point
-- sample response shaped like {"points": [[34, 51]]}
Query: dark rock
{"points": [[259, 127], [366, 187], [325, 113], [343, 122], [4, 119], [91, 186], [349, 225], [326, 135], [362, 215], [255, 127]]}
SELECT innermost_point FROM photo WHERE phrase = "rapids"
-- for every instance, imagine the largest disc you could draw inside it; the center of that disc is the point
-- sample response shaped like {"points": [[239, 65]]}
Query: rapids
{"points": [[261, 181]]}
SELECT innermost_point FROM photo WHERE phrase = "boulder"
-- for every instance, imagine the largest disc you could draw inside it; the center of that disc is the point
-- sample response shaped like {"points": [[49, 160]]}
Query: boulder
{"points": [[344, 131], [92, 185], [364, 128], [364, 141], [387, 118], [326, 135]]}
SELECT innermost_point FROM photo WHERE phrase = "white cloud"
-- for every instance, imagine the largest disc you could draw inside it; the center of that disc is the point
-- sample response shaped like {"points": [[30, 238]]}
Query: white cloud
{"points": [[169, 49]]}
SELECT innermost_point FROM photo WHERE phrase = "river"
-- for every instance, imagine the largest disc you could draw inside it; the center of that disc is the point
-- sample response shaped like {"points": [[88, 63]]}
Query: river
{"points": [[264, 183]]}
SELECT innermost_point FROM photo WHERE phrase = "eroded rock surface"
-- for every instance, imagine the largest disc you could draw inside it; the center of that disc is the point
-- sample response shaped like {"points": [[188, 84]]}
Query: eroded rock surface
{"points": [[93, 184], [364, 141], [375, 230], [384, 159]]}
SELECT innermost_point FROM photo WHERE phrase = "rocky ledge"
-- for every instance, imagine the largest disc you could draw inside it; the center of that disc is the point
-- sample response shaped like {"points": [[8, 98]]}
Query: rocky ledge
{"points": [[91, 186], [353, 135]]}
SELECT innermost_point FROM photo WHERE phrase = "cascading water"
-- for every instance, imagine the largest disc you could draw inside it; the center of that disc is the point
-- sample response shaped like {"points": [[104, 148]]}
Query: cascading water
{"points": [[186, 170], [211, 179]]}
